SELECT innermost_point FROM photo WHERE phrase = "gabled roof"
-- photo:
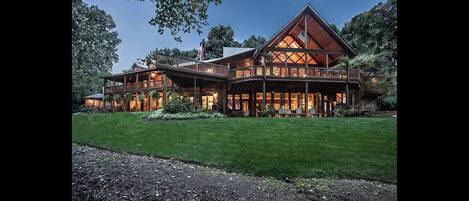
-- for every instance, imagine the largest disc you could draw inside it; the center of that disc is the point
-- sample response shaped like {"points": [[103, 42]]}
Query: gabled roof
{"points": [[308, 10], [229, 52]]}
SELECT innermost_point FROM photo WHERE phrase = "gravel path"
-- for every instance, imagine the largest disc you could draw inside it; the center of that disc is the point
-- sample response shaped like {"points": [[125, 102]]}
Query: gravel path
{"points": [[104, 175]]}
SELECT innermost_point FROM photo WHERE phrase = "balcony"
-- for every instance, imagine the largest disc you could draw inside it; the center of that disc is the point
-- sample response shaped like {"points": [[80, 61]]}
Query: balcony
{"points": [[135, 87], [294, 73], [191, 66]]}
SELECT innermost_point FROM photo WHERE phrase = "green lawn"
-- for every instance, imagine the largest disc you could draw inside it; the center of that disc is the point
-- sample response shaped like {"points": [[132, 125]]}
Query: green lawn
{"points": [[362, 148]]}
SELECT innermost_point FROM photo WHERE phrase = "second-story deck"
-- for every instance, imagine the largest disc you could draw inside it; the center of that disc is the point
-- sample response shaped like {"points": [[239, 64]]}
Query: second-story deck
{"points": [[187, 68], [294, 73]]}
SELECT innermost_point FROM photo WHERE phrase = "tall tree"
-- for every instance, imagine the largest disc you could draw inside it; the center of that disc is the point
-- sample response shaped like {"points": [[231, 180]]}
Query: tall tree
{"points": [[254, 42], [94, 49], [180, 15], [220, 36], [374, 35], [175, 52]]}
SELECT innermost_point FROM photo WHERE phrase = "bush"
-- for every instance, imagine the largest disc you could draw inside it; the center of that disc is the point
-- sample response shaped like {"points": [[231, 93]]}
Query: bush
{"points": [[178, 105], [387, 103], [161, 115], [269, 111], [85, 109], [344, 110]]}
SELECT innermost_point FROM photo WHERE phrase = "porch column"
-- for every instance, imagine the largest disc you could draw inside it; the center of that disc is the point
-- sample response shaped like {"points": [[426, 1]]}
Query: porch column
{"points": [[306, 99], [125, 83], [233, 96], [194, 99], [359, 99], [252, 106], [165, 90], [347, 90], [289, 99], [282, 98], [199, 103], [223, 94], [263, 83], [272, 98], [137, 105], [263, 95]]}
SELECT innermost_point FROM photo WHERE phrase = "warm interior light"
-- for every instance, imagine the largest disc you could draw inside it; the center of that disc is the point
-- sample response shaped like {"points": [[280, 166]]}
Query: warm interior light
{"points": [[215, 95], [153, 74]]}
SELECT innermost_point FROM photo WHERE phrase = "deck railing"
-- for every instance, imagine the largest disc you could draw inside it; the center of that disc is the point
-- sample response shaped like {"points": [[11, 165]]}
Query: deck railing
{"points": [[131, 87], [192, 64], [294, 72]]}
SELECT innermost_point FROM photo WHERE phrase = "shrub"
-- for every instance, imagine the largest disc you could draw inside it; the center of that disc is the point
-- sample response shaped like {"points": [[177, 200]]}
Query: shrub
{"points": [[85, 109], [344, 110], [269, 111], [161, 115], [178, 105], [387, 103]]}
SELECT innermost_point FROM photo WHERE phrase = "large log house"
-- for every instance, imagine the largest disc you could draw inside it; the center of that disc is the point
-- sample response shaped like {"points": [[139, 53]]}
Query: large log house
{"points": [[291, 71]]}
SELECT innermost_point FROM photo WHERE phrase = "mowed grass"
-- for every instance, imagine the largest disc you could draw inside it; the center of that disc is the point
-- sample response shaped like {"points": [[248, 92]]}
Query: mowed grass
{"points": [[362, 148]]}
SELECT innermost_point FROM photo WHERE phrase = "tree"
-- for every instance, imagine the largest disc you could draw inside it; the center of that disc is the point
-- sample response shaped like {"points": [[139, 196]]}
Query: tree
{"points": [[374, 34], [94, 49], [220, 36], [175, 52], [180, 15], [254, 42]]}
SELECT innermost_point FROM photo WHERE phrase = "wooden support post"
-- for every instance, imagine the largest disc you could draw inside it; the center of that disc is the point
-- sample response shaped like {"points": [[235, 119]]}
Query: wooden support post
{"points": [[289, 100], [306, 99], [327, 60], [136, 83], [263, 83], [272, 98], [223, 94], [360, 100], [194, 98], [233, 102], [306, 44], [165, 90], [282, 99], [263, 95], [200, 98], [125, 83], [347, 90]]}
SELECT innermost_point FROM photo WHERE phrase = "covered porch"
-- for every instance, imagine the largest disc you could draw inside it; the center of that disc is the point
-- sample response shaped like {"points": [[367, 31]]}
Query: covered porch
{"points": [[290, 98]]}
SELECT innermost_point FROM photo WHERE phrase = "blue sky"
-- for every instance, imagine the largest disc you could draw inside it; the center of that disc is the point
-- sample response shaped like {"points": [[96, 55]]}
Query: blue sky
{"points": [[246, 17]]}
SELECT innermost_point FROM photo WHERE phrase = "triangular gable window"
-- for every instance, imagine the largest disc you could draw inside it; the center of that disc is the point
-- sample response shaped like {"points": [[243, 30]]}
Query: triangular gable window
{"points": [[291, 57]]}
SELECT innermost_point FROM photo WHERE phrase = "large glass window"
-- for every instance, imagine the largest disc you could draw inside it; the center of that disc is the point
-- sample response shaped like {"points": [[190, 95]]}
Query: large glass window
{"points": [[294, 101], [229, 103], [237, 102], [294, 72], [276, 71], [259, 70], [291, 57], [302, 72], [277, 101], [284, 72]]}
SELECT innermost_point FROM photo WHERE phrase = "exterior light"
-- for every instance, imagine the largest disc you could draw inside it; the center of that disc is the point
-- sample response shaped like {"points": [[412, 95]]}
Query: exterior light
{"points": [[153, 74]]}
